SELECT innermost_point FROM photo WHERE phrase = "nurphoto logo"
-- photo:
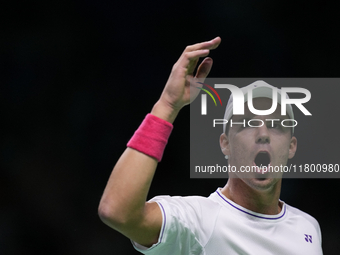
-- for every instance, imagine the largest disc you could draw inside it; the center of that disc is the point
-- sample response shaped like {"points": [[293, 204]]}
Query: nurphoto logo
{"points": [[240, 96], [238, 99]]}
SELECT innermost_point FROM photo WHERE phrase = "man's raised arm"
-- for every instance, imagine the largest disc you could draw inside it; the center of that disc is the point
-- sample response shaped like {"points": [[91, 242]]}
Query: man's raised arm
{"points": [[123, 205]]}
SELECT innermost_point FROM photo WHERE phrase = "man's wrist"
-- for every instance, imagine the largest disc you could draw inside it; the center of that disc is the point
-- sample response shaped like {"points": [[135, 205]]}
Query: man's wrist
{"points": [[164, 111], [151, 137]]}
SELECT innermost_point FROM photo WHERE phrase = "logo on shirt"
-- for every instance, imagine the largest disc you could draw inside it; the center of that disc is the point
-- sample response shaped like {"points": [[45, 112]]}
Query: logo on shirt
{"points": [[308, 238]]}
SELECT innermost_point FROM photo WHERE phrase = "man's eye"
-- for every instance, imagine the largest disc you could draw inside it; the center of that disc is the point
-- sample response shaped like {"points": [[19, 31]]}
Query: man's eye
{"points": [[253, 123]]}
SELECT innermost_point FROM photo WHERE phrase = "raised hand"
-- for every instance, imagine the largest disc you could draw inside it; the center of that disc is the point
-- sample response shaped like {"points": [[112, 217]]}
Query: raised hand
{"points": [[177, 92]]}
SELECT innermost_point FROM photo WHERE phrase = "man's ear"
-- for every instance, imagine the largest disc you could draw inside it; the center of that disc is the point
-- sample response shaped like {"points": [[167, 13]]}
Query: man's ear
{"points": [[292, 147], [224, 144]]}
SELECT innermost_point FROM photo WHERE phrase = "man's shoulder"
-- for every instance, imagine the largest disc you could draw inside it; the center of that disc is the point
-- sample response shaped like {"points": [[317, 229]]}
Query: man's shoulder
{"points": [[193, 200], [197, 213], [196, 206], [295, 213]]}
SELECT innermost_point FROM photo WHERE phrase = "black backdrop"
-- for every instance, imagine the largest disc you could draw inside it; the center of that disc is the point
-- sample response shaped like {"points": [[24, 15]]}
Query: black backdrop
{"points": [[77, 78]]}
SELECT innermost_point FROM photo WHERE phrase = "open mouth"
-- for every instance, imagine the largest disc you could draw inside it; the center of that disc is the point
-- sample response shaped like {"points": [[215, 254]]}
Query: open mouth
{"points": [[262, 159]]}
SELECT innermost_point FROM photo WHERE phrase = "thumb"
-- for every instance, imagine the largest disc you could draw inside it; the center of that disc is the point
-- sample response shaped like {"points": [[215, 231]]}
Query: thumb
{"points": [[204, 68]]}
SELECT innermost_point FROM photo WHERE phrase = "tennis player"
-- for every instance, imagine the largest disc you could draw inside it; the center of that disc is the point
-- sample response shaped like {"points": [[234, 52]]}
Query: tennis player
{"points": [[246, 216]]}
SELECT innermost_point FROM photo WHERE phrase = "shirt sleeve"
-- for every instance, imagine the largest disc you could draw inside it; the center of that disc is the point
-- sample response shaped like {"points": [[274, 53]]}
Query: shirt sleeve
{"points": [[182, 231]]}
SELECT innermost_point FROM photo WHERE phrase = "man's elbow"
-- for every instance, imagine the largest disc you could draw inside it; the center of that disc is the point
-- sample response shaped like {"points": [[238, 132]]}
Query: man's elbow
{"points": [[112, 217], [109, 216]]}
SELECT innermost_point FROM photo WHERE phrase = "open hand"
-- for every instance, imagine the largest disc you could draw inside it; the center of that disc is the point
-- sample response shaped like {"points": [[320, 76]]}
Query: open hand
{"points": [[176, 93]]}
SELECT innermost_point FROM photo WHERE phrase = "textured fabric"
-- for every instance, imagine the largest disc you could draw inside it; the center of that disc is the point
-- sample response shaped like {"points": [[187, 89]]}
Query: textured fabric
{"points": [[218, 226], [151, 137]]}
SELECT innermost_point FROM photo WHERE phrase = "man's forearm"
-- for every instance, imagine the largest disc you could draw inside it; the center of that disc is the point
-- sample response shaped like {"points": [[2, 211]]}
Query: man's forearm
{"points": [[129, 183], [123, 205]]}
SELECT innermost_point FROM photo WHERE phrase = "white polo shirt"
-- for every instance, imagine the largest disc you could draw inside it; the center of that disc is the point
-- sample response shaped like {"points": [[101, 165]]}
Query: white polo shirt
{"points": [[218, 226]]}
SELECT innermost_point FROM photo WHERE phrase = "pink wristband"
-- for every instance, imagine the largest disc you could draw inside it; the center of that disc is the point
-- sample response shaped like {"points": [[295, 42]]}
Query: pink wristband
{"points": [[151, 137]]}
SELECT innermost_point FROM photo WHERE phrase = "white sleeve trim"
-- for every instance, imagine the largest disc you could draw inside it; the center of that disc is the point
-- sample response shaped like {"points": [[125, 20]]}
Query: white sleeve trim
{"points": [[142, 248]]}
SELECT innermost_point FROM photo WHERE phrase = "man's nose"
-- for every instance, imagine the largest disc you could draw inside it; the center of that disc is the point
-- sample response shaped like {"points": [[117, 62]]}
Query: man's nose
{"points": [[262, 135]]}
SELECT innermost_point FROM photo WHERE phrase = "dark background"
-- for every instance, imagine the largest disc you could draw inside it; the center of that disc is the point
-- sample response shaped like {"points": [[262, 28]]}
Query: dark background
{"points": [[77, 78]]}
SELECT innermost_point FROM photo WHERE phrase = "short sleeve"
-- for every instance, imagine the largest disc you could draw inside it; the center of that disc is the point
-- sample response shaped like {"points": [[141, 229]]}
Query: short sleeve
{"points": [[183, 231]]}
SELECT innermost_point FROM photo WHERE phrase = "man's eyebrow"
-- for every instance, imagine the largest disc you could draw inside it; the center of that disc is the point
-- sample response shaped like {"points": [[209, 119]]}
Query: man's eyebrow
{"points": [[275, 118], [249, 116], [244, 116], [281, 118]]}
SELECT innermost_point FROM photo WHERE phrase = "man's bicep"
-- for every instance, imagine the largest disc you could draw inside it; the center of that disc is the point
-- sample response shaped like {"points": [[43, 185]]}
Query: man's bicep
{"points": [[146, 233]]}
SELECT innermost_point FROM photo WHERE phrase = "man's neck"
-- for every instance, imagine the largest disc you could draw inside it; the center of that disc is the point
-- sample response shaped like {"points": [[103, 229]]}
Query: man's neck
{"points": [[260, 201]]}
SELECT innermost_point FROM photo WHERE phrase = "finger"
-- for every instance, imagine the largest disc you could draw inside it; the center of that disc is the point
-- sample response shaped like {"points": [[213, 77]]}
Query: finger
{"points": [[192, 55], [192, 65], [204, 68], [212, 44], [189, 59]]}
